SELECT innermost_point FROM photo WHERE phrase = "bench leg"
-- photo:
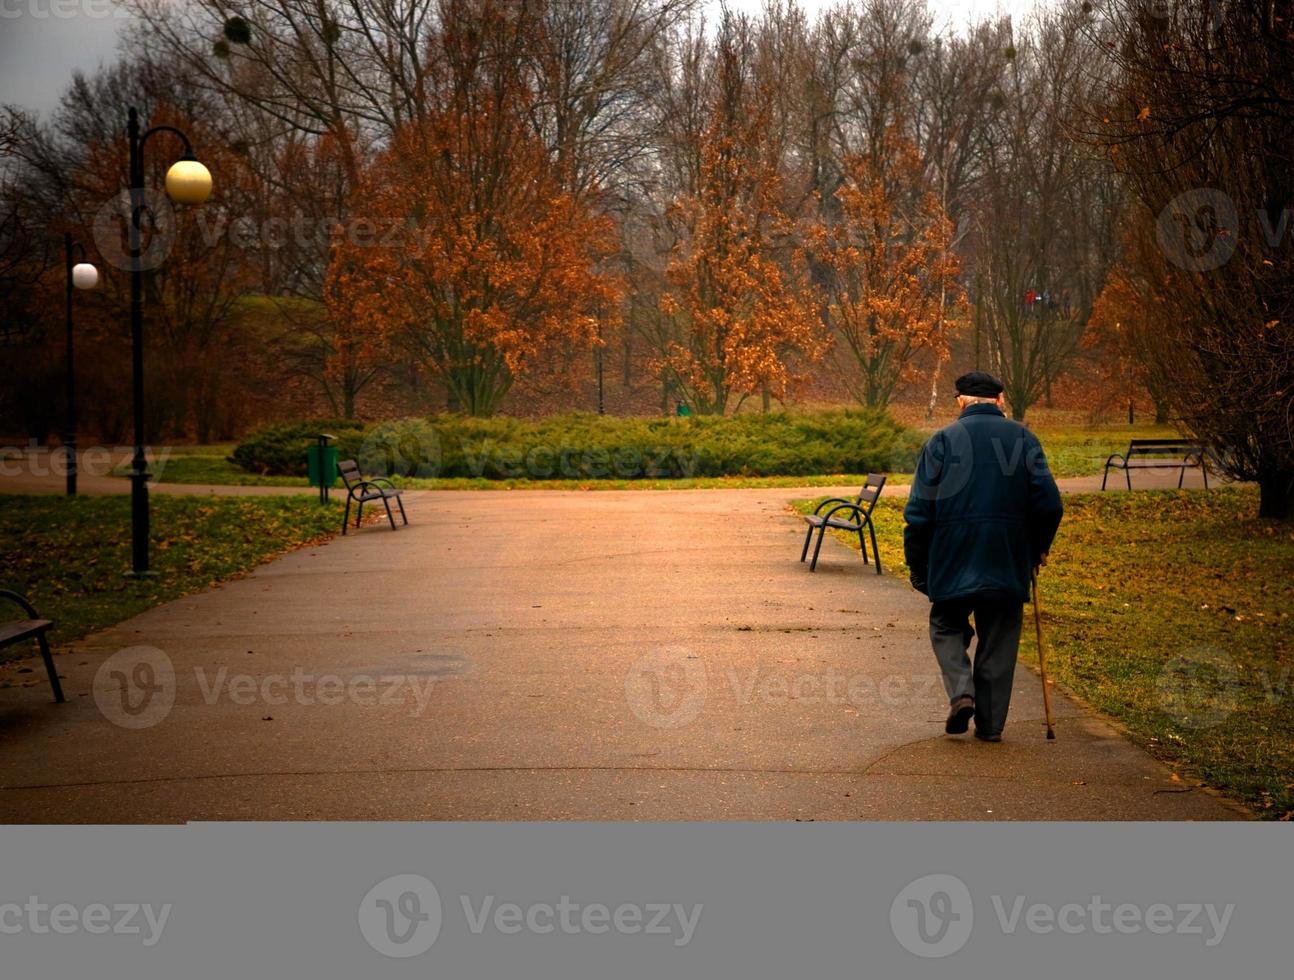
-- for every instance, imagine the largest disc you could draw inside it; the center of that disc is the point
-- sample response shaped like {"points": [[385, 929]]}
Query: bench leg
{"points": [[50, 668], [1181, 475], [808, 536], [1127, 472], [387, 504], [862, 546], [1204, 472], [346, 517], [1105, 477], [813, 565], [871, 529], [403, 516], [359, 513]]}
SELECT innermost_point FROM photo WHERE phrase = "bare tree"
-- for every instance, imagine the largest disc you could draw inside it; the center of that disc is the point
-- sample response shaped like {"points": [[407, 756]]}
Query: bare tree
{"points": [[1039, 261], [1200, 119]]}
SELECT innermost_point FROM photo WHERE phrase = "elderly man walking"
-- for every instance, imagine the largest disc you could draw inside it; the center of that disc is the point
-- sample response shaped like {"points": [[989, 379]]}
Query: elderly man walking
{"points": [[980, 518]]}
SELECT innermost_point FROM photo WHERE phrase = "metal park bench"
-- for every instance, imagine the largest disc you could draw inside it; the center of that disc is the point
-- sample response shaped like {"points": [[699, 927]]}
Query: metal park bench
{"points": [[362, 490], [1151, 454], [857, 516], [32, 628]]}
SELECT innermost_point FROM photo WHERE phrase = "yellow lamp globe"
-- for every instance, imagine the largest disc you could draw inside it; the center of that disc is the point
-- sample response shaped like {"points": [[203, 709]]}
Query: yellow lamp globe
{"points": [[188, 182], [85, 276]]}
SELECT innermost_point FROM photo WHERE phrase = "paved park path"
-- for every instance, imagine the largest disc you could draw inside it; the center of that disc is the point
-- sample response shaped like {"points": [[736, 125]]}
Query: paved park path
{"points": [[550, 655]]}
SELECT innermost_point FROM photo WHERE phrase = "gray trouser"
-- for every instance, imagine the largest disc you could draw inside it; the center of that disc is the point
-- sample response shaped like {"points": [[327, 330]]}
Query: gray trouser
{"points": [[997, 621]]}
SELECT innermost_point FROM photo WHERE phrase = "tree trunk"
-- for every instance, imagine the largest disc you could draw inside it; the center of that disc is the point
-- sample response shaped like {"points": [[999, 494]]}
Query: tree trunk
{"points": [[202, 426], [1276, 495]]}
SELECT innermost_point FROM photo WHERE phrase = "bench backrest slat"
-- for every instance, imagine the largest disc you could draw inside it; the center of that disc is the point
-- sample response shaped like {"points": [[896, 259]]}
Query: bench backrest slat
{"points": [[348, 470], [1164, 447], [871, 491]]}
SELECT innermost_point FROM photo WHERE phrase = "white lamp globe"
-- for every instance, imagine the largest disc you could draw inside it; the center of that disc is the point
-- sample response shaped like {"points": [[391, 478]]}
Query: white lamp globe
{"points": [[188, 182], [85, 276]]}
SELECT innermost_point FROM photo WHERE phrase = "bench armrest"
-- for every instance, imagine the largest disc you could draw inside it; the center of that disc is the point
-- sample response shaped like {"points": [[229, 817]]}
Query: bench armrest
{"points": [[21, 600], [381, 479], [848, 505], [359, 485], [1109, 461], [831, 500]]}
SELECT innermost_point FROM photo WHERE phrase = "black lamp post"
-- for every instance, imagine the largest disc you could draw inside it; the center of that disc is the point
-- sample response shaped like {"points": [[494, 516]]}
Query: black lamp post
{"points": [[82, 275], [187, 182]]}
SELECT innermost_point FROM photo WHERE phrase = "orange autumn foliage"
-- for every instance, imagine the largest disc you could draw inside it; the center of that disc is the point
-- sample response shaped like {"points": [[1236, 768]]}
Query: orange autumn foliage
{"points": [[1123, 330], [469, 254], [737, 287], [890, 279]]}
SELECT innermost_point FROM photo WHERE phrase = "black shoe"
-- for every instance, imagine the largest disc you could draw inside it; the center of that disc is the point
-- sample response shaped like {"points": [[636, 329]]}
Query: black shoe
{"points": [[988, 736], [959, 715]]}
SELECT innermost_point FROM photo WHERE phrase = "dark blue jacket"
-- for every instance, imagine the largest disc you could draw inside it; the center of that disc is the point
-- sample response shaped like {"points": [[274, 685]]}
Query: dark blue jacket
{"points": [[982, 510]]}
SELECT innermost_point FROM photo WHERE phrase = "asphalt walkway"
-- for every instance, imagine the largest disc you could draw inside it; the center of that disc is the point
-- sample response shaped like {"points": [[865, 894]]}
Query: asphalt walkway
{"points": [[549, 655]]}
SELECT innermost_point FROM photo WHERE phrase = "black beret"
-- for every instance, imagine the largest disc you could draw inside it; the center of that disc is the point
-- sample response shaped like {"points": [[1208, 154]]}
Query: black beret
{"points": [[979, 384]]}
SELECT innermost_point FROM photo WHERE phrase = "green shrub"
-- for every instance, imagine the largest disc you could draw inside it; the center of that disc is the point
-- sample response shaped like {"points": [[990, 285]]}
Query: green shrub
{"points": [[408, 447], [280, 450], [593, 446]]}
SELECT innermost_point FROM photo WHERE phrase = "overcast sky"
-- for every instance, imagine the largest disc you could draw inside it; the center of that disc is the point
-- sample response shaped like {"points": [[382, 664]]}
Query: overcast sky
{"points": [[40, 45]]}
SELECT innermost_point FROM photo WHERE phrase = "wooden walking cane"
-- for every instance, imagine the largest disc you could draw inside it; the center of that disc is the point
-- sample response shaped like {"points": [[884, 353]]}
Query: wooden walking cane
{"points": [[1042, 661]]}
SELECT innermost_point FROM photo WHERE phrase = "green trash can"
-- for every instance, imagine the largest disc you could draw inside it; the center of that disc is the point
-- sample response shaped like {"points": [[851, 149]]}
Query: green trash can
{"points": [[321, 466]]}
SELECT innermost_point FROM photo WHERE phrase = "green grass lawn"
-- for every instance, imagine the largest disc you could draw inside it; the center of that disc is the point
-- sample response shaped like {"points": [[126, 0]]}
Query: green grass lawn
{"points": [[69, 555], [1170, 610], [209, 465], [1072, 450], [1081, 450]]}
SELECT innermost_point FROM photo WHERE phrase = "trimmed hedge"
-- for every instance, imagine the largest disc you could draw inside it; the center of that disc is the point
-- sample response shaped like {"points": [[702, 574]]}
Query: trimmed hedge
{"points": [[280, 450], [593, 446]]}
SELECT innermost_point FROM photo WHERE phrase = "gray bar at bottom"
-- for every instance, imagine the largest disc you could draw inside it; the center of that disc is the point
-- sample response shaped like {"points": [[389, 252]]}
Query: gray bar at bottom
{"points": [[571, 901]]}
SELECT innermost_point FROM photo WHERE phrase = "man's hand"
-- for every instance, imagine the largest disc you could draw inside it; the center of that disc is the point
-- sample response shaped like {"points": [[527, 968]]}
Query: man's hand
{"points": [[1042, 563], [920, 585]]}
